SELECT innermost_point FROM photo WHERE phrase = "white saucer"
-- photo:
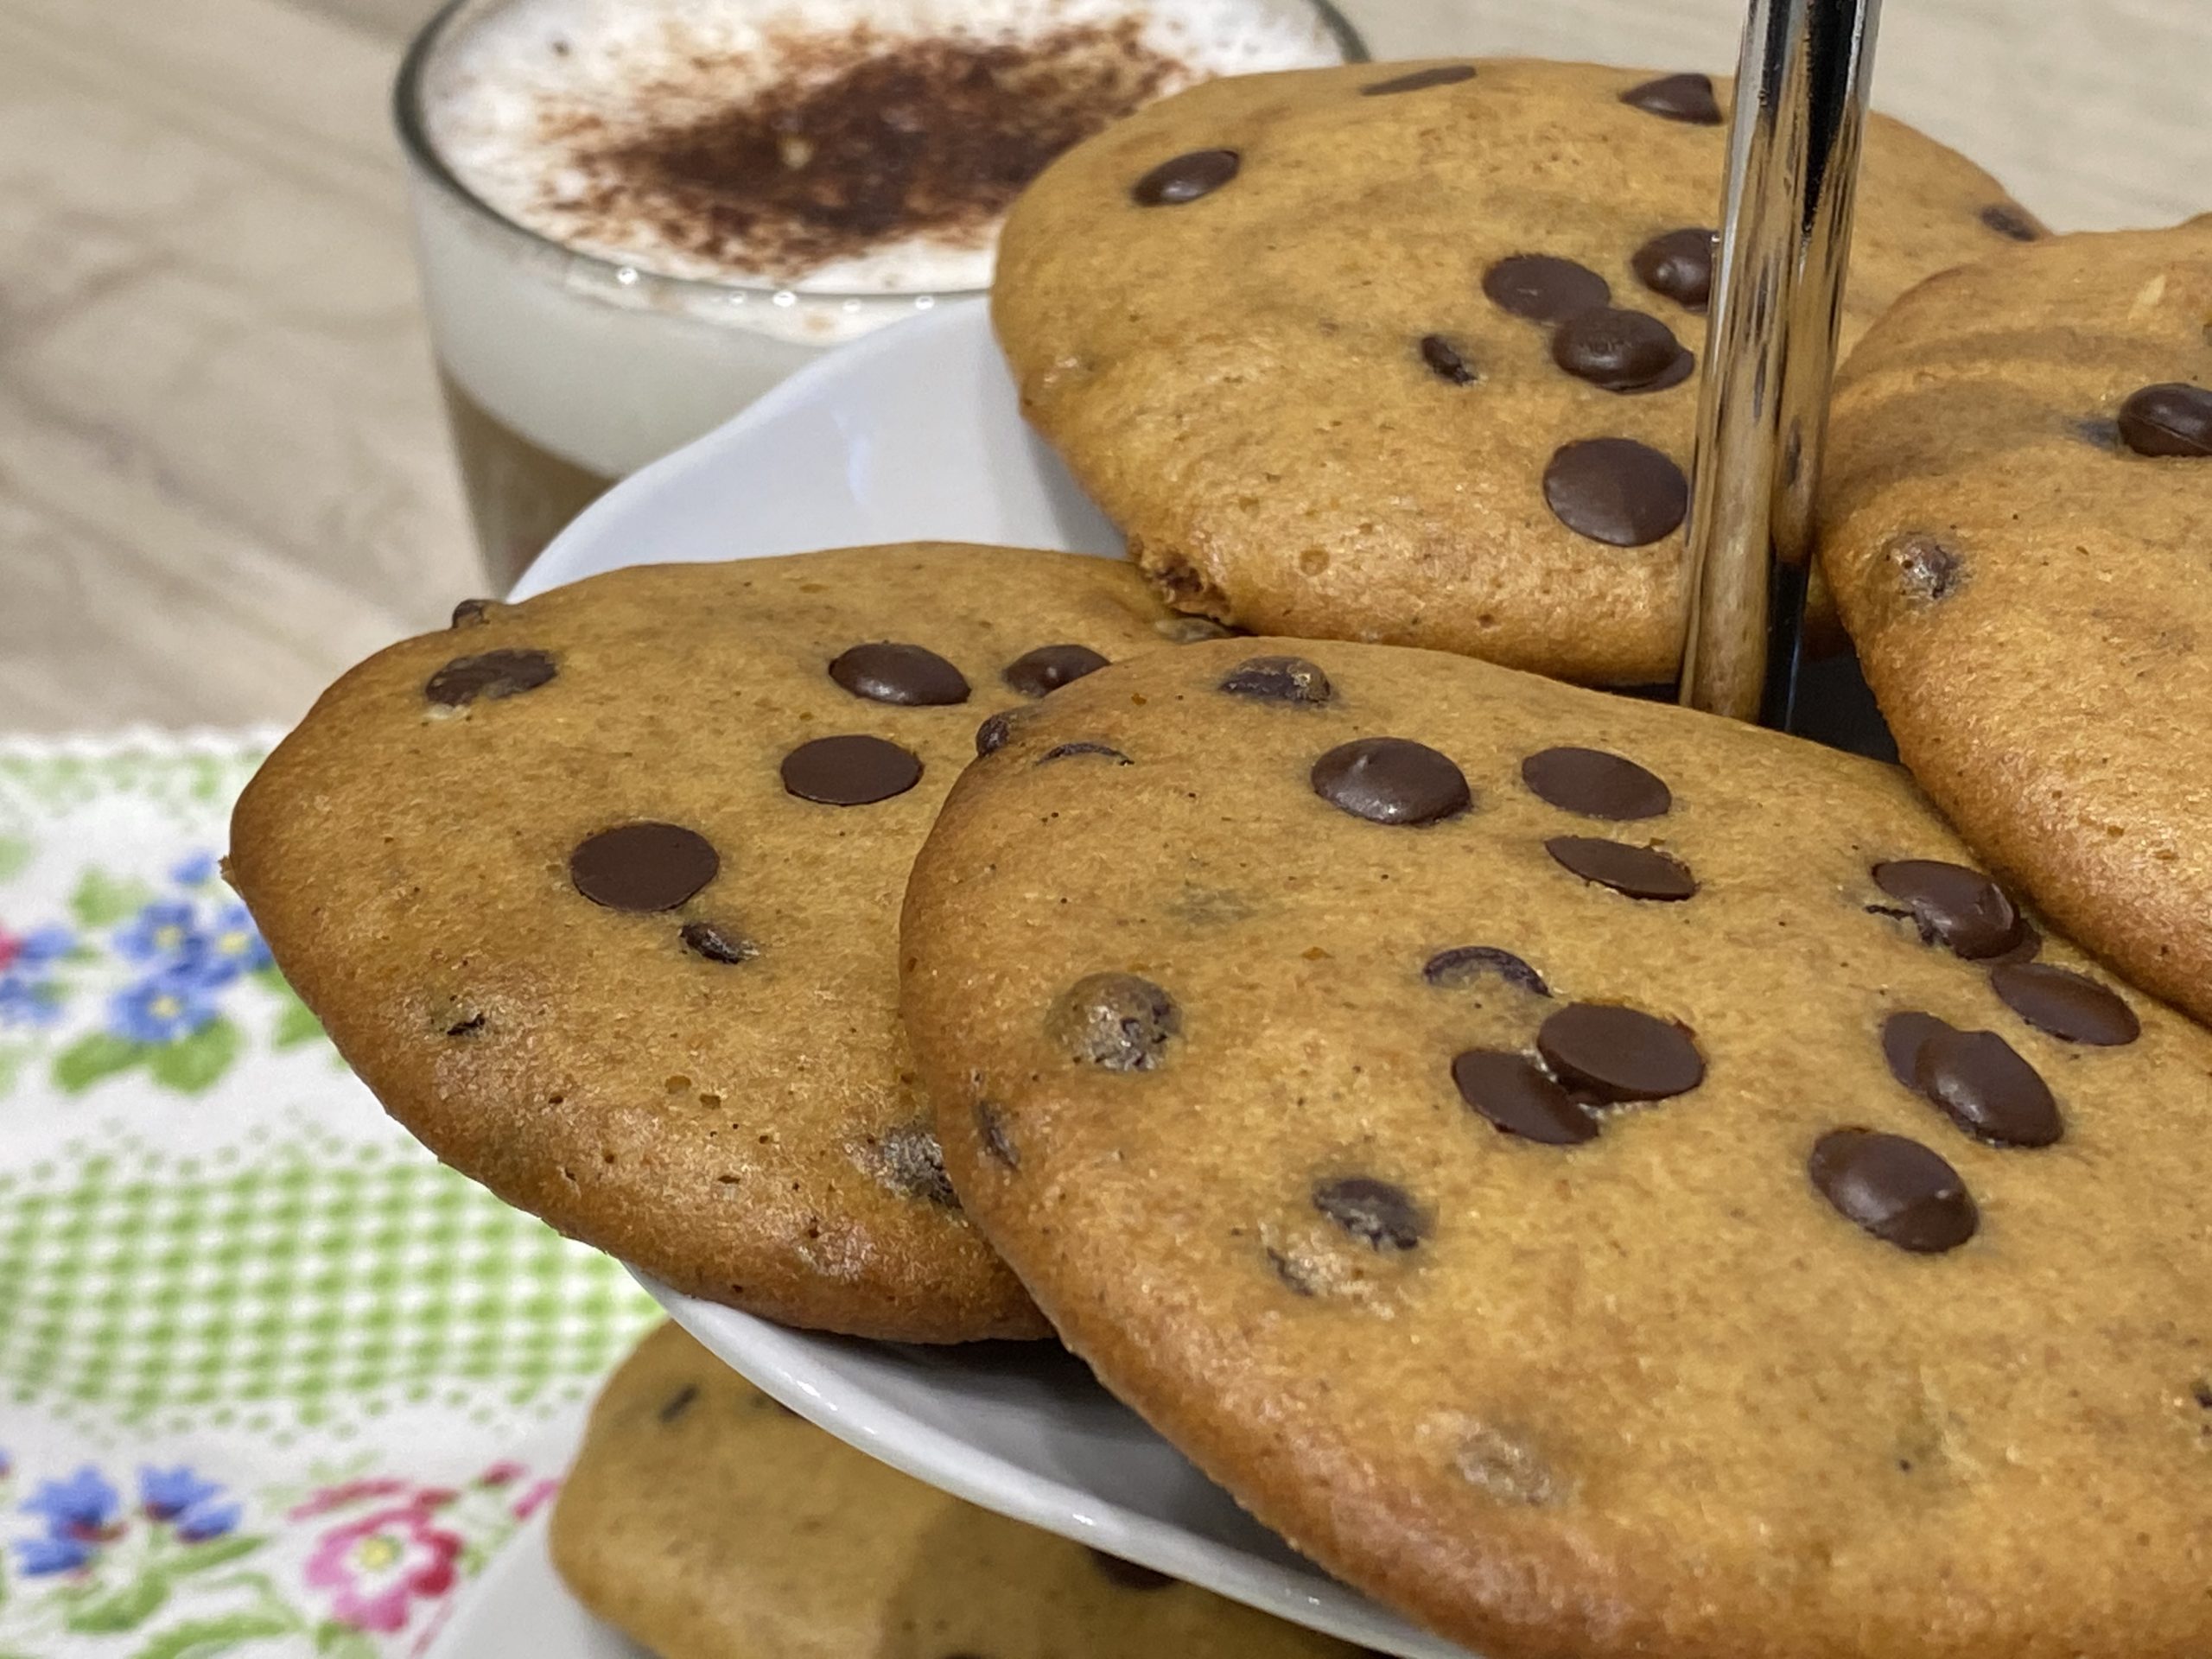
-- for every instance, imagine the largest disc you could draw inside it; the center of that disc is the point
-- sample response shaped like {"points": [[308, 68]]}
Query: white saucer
{"points": [[520, 1610]]}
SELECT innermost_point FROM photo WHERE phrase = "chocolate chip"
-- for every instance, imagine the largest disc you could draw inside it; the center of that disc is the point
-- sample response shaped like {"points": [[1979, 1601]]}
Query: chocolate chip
{"points": [[1066, 751], [1278, 679], [1639, 872], [473, 612], [1895, 1188], [1610, 1053], [643, 867], [1952, 905], [1516, 1095], [1678, 97], [1544, 289], [1377, 1213], [1616, 491], [1679, 264], [1191, 630], [717, 942], [1902, 1034], [1465, 965], [1443, 74], [1115, 1021], [1185, 178], [1391, 780], [997, 1139], [2169, 419], [1128, 1574], [2066, 1004], [491, 674], [1927, 569], [915, 1163], [1985, 1087], [1447, 360], [1048, 668], [1595, 784], [677, 1403], [1619, 351], [991, 736], [854, 770], [467, 1026], [2008, 219], [910, 676]]}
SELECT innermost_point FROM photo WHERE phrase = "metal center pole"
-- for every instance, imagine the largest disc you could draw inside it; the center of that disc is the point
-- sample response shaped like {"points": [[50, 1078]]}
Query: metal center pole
{"points": [[1793, 171]]}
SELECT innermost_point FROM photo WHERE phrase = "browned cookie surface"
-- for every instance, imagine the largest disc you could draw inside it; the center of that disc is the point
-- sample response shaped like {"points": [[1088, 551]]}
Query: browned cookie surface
{"points": [[598, 892], [2017, 527], [1371, 352], [708, 1522], [1605, 1179]]}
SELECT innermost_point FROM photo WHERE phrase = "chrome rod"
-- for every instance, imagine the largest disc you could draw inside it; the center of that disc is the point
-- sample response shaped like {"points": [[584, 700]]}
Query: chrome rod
{"points": [[1793, 170]]}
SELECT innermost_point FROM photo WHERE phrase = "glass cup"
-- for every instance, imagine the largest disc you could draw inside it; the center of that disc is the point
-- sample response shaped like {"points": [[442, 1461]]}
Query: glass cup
{"points": [[563, 372]]}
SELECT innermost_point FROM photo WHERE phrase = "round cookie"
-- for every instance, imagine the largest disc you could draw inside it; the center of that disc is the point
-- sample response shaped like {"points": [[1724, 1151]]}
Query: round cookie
{"points": [[1602, 1178], [1414, 365], [599, 893], [2015, 521], [707, 1522]]}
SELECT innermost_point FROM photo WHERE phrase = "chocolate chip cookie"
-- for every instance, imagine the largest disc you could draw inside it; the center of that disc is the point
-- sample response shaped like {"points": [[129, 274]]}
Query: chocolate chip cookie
{"points": [[1603, 1179], [599, 893], [1408, 353], [707, 1522], [2017, 515]]}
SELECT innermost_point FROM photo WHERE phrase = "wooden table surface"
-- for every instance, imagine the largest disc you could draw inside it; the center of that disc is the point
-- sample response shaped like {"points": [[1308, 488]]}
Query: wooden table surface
{"points": [[222, 473]]}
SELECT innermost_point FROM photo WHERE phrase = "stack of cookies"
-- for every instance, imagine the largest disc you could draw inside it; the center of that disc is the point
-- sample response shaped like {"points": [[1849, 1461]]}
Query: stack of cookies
{"points": [[1602, 1179]]}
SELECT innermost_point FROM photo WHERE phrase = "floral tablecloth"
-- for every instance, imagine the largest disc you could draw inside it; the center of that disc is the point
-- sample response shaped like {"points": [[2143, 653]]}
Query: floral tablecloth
{"points": [[272, 1381]]}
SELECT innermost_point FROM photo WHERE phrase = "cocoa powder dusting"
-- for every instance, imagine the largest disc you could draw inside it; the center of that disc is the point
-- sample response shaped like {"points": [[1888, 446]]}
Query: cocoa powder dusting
{"points": [[853, 141]]}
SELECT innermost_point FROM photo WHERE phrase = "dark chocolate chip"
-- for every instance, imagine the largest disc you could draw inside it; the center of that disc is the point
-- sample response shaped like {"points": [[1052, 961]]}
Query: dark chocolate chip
{"points": [[910, 676], [1048, 668], [1442, 74], [854, 770], [1616, 491], [1610, 1053], [2009, 219], [915, 1163], [1115, 1021], [1516, 1095], [1595, 784], [1447, 360], [1465, 965], [1895, 1188], [473, 612], [1391, 780], [1185, 178], [1067, 750], [997, 1139], [2066, 1004], [1961, 909], [1379, 1213], [1985, 1087], [1679, 264], [717, 942], [1678, 97], [465, 1027], [991, 736], [491, 675], [1902, 1034], [1928, 570], [1278, 679], [1639, 872], [643, 867], [1544, 289], [677, 1403], [2168, 419], [1619, 351], [1128, 1574]]}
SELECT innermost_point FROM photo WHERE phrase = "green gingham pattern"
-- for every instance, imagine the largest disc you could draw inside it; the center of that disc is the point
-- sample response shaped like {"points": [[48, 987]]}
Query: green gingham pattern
{"points": [[272, 1381]]}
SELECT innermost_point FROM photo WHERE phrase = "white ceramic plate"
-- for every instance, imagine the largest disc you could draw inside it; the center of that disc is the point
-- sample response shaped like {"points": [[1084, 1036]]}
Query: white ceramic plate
{"points": [[520, 1610]]}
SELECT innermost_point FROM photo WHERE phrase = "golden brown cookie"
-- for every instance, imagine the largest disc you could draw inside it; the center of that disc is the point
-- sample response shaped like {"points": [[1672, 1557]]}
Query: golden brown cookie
{"points": [[598, 892], [1604, 1180], [1404, 354], [708, 1522], [2017, 514]]}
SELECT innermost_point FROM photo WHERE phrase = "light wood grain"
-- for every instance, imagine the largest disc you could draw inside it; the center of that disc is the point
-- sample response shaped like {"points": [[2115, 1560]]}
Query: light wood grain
{"points": [[222, 475]]}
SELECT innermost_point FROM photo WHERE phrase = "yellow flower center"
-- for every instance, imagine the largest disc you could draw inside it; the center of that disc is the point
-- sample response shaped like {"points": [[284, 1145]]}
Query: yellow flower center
{"points": [[166, 1007], [377, 1552], [234, 944], [167, 936]]}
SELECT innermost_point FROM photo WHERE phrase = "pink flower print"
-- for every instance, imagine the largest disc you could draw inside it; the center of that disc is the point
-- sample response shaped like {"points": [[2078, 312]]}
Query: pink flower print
{"points": [[503, 1473], [378, 1567], [352, 1491], [535, 1499]]}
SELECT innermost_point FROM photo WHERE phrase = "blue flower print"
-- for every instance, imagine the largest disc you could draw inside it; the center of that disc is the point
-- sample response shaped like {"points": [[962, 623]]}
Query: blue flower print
{"points": [[164, 1494], [163, 1006], [232, 946], [83, 1507], [26, 996], [207, 1519], [39, 1556], [195, 870], [166, 932]]}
